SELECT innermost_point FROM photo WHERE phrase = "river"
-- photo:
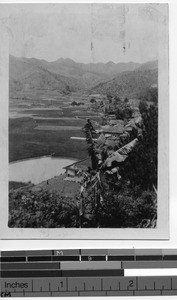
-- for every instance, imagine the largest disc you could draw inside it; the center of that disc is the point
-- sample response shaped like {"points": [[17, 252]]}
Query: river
{"points": [[37, 170]]}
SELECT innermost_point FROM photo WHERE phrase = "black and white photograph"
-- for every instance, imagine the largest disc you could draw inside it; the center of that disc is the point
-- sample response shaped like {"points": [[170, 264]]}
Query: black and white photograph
{"points": [[87, 119]]}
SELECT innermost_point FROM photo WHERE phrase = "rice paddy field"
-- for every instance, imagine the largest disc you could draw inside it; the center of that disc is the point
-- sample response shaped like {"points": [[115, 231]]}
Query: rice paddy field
{"points": [[43, 124]]}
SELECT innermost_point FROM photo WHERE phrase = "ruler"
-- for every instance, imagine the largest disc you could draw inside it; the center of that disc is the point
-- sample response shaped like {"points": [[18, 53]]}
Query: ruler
{"points": [[87, 272]]}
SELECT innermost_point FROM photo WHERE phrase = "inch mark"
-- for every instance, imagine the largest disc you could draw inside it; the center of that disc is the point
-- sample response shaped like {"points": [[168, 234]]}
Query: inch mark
{"points": [[67, 283], [137, 283]]}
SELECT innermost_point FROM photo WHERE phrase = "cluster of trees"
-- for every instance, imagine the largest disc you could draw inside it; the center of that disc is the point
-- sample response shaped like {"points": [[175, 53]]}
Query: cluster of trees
{"points": [[122, 209], [132, 200], [124, 112], [113, 99], [150, 94], [74, 103], [141, 165], [92, 100], [90, 134], [42, 210], [121, 108]]}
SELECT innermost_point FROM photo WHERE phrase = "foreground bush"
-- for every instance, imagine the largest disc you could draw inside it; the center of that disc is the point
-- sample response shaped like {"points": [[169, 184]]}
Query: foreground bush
{"points": [[140, 168], [42, 210], [121, 208], [116, 210], [125, 210]]}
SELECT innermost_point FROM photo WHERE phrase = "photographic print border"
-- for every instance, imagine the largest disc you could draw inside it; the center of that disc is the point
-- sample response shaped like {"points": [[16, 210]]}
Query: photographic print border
{"points": [[162, 230]]}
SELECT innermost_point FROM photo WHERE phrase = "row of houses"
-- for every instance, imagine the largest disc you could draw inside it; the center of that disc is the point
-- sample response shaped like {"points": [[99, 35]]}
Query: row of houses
{"points": [[109, 140]]}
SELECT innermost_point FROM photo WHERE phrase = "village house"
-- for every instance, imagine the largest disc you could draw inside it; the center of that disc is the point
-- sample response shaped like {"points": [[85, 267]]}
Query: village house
{"points": [[71, 170], [116, 122], [111, 117], [75, 171], [134, 123], [114, 130], [121, 154]]}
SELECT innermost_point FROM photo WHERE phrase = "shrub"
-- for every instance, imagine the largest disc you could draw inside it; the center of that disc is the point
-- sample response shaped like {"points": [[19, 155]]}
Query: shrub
{"points": [[121, 210], [141, 165], [124, 112], [42, 210]]}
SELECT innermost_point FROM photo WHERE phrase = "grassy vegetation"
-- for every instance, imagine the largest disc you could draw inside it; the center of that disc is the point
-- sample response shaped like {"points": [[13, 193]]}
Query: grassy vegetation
{"points": [[27, 142], [61, 122], [44, 113], [13, 185], [54, 113], [43, 209], [28, 209]]}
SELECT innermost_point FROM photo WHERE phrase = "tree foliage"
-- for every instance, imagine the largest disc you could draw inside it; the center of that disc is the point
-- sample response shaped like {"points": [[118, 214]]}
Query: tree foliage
{"points": [[42, 210], [109, 97], [131, 200], [150, 94], [125, 209], [92, 100], [124, 112], [141, 165], [90, 134]]}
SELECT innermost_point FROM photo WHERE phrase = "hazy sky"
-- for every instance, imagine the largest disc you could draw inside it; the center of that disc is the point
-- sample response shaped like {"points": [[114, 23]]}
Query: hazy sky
{"points": [[85, 32]]}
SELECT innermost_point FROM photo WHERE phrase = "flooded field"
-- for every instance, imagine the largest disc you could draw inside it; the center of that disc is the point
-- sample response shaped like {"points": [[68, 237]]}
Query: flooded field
{"points": [[39, 169], [39, 127]]}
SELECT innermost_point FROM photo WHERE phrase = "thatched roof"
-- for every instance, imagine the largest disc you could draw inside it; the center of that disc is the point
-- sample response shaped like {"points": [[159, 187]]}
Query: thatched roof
{"points": [[128, 147], [116, 122], [115, 157], [119, 129], [121, 154], [79, 165]]}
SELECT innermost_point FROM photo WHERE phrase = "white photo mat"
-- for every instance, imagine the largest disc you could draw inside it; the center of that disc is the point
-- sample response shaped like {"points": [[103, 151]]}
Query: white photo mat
{"points": [[162, 230]]}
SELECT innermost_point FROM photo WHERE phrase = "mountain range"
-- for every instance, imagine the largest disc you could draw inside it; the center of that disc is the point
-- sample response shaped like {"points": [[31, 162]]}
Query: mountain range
{"points": [[66, 76]]}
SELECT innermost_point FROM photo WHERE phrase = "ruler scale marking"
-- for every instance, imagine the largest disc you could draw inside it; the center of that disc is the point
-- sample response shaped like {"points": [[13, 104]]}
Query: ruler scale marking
{"points": [[87, 272]]}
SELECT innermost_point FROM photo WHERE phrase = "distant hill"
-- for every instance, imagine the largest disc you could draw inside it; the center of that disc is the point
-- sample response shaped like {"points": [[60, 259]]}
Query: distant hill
{"points": [[150, 65], [131, 84], [27, 74], [89, 74], [68, 67], [66, 75]]}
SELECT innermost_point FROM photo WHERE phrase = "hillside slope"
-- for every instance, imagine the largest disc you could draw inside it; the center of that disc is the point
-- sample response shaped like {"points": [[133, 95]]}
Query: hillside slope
{"points": [[129, 84], [66, 76], [86, 75], [27, 74]]}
